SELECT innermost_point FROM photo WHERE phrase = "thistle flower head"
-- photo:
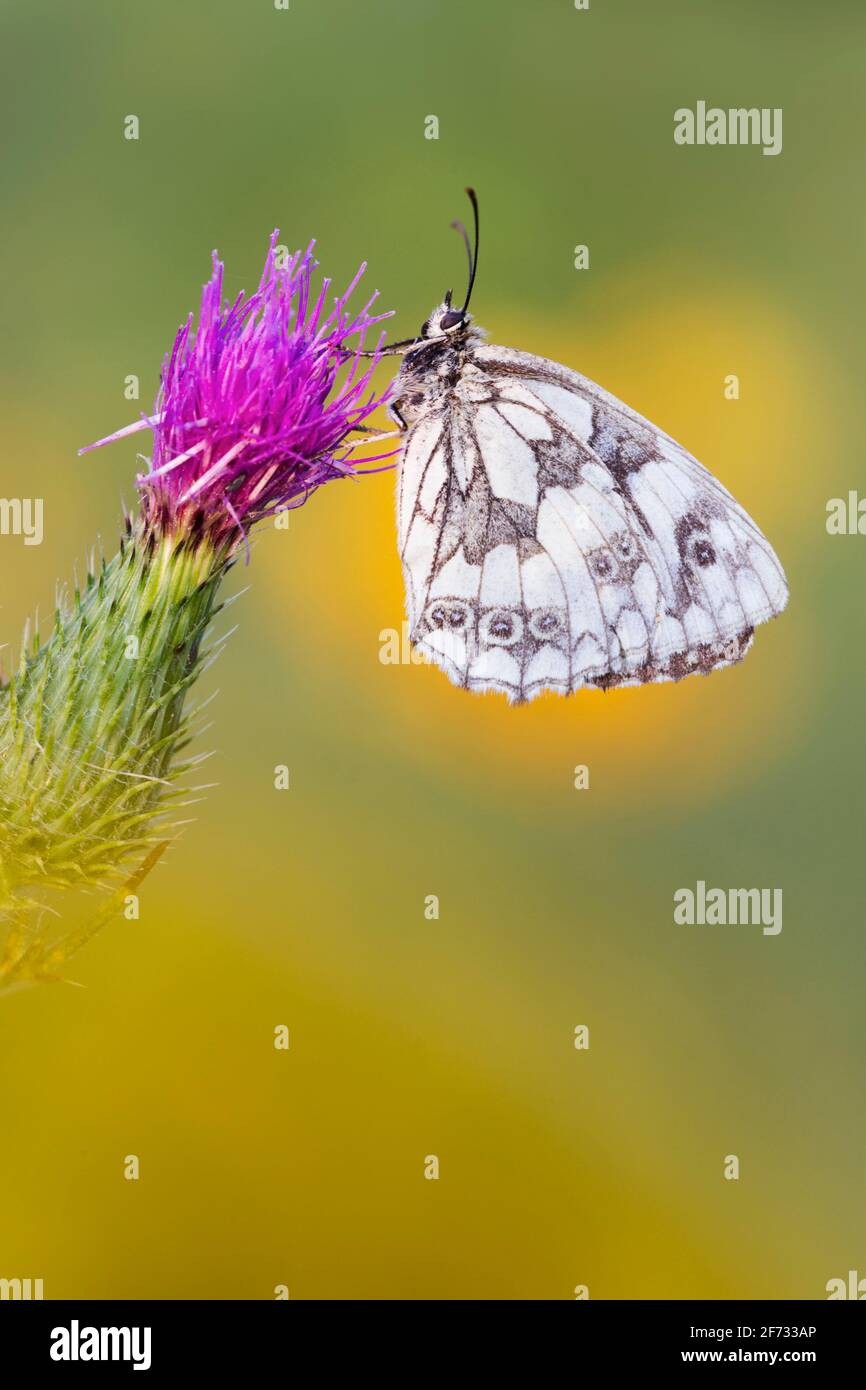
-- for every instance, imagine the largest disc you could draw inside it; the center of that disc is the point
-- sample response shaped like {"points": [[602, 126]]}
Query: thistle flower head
{"points": [[257, 401]]}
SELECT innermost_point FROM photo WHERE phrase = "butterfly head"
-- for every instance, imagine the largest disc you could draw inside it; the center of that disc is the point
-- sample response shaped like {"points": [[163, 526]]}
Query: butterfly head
{"points": [[445, 321]]}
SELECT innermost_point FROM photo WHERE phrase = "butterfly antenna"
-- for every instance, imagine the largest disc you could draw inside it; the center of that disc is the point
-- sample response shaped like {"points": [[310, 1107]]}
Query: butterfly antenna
{"points": [[393, 349], [473, 256], [459, 227]]}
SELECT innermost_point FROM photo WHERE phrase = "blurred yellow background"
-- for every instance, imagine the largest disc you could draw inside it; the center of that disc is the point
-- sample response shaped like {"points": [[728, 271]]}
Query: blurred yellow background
{"points": [[454, 1037]]}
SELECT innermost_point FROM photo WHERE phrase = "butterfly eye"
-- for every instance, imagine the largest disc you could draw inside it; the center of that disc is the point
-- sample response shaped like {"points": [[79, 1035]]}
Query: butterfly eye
{"points": [[501, 628], [450, 616], [546, 624], [451, 319]]}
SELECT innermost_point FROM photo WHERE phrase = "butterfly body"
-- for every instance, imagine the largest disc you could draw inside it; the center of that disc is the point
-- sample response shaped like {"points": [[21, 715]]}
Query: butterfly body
{"points": [[553, 539]]}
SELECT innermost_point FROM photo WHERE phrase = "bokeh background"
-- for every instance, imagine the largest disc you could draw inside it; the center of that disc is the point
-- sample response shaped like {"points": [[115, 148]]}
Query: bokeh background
{"points": [[306, 908]]}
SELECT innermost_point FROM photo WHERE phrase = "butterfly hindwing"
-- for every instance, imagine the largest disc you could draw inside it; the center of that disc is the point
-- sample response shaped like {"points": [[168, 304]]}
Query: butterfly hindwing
{"points": [[722, 570], [552, 539]]}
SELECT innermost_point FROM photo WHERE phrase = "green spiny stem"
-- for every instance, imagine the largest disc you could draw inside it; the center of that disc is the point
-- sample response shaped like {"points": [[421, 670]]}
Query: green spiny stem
{"points": [[92, 725]]}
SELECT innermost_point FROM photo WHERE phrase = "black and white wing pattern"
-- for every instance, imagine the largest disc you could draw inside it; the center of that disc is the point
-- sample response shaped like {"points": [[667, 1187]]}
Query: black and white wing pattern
{"points": [[552, 539]]}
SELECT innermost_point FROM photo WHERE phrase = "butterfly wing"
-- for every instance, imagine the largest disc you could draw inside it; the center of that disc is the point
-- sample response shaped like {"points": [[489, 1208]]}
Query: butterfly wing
{"points": [[551, 538]]}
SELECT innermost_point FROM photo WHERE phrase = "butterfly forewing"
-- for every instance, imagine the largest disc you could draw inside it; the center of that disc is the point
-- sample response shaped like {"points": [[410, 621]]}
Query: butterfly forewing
{"points": [[552, 539]]}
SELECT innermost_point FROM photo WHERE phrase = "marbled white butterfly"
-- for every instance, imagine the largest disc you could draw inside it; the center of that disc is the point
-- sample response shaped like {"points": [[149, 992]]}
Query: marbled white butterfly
{"points": [[553, 539]]}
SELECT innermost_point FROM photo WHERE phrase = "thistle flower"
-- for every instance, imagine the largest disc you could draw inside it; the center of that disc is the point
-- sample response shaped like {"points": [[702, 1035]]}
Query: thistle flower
{"points": [[252, 412], [255, 410]]}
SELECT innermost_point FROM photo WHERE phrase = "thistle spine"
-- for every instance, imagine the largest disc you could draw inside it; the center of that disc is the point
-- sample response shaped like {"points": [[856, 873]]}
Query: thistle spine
{"points": [[93, 724]]}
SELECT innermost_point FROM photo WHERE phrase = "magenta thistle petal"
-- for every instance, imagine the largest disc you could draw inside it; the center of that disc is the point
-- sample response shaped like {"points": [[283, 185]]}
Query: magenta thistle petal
{"points": [[258, 401]]}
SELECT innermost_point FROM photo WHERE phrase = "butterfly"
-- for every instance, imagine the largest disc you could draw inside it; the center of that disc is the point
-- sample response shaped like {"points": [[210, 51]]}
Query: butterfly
{"points": [[553, 539]]}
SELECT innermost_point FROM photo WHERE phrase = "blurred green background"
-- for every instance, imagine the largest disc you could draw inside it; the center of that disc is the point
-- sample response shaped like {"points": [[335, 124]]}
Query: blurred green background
{"points": [[455, 1037]]}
